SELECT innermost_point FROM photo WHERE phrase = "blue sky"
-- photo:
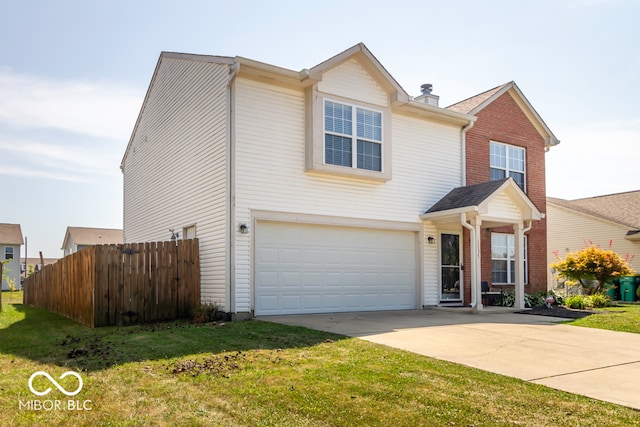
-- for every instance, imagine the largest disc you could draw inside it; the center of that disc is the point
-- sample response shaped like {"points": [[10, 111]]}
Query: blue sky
{"points": [[73, 75]]}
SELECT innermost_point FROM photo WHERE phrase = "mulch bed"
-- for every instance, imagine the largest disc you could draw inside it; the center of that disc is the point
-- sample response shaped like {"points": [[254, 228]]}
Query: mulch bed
{"points": [[565, 313]]}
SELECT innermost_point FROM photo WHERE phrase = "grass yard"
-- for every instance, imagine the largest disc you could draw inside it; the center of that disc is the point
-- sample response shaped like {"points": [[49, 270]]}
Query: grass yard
{"points": [[257, 374], [622, 318], [12, 297]]}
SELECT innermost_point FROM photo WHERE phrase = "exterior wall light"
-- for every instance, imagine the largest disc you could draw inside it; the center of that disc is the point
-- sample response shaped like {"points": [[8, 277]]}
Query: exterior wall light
{"points": [[174, 235], [431, 240], [243, 229]]}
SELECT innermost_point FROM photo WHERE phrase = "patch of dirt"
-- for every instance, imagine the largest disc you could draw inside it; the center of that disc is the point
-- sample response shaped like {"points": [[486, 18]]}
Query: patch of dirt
{"points": [[221, 365], [563, 312]]}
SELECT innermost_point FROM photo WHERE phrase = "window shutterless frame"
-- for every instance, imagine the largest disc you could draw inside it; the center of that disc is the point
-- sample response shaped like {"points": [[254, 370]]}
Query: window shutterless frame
{"points": [[352, 136], [508, 161]]}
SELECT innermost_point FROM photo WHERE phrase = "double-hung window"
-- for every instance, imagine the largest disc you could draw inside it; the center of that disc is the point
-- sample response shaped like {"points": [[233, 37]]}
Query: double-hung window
{"points": [[8, 252], [503, 260], [352, 136], [507, 161]]}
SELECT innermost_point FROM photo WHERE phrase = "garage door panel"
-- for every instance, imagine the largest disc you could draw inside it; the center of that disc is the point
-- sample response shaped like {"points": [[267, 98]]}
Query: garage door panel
{"points": [[301, 268]]}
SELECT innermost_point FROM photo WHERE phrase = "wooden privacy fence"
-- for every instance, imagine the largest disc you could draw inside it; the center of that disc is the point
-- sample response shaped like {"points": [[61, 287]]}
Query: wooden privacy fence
{"points": [[107, 285]]}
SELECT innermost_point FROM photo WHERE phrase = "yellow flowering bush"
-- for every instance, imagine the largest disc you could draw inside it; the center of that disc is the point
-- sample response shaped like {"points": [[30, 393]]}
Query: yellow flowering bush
{"points": [[591, 264]]}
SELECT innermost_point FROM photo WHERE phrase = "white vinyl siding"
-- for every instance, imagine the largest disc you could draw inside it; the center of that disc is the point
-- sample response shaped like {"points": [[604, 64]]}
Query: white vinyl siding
{"points": [[569, 230], [175, 170], [503, 207], [12, 267], [350, 80], [270, 173]]}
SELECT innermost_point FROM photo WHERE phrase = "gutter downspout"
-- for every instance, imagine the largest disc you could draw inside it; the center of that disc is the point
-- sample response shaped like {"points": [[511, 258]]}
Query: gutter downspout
{"points": [[231, 193], [463, 142], [474, 264]]}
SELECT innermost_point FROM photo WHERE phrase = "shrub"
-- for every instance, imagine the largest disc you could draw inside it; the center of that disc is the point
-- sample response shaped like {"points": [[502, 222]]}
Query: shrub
{"points": [[207, 312], [581, 302], [592, 268], [575, 301], [598, 301]]}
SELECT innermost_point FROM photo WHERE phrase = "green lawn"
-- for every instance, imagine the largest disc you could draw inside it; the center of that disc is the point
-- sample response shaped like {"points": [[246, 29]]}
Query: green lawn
{"points": [[258, 374], [623, 318]]}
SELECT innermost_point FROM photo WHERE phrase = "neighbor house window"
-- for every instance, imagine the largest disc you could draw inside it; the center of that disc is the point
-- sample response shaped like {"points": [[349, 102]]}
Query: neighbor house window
{"points": [[352, 136], [503, 260], [507, 161], [8, 252]]}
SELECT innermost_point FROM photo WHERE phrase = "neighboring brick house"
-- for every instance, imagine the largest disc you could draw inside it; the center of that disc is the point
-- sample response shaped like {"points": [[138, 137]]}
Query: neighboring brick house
{"points": [[509, 138]]}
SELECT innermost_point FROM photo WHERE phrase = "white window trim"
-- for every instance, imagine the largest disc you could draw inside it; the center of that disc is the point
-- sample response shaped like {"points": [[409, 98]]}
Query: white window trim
{"points": [[508, 259], [354, 133], [507, 169], [314, 139]]}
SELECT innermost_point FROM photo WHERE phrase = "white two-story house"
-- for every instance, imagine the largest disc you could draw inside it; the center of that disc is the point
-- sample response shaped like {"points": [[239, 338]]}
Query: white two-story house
{"points": [[322, 190], [10, 242]]}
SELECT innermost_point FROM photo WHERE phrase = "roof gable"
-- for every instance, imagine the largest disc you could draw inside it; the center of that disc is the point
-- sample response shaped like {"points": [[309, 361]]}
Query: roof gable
{"points": [[478, 102], [11, 234], [369, 63]]}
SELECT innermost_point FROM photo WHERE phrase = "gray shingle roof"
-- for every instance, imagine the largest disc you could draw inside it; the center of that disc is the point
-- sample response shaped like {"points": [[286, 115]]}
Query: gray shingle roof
{"points": [[623, 208], [469, 104], [462, 197]]}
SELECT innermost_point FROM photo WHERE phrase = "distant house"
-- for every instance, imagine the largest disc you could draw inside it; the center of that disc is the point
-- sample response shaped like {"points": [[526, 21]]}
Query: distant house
{"points": [[509, 139], [320, 190], [77, 238], [10, 242], [35, 264], [607, 221]]}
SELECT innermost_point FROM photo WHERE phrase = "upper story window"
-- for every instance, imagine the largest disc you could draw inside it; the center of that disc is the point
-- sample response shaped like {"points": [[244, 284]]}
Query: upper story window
{"points": [[352, 136], [508, 161], [347, 138], [8, 252]]}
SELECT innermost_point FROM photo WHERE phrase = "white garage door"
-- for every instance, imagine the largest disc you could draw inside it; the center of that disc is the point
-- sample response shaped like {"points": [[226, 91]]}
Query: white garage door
{"points": [[301, 268]]}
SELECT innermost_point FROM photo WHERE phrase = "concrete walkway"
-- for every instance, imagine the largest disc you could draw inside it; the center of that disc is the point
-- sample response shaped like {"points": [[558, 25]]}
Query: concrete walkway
{"points": [[604, 365]]}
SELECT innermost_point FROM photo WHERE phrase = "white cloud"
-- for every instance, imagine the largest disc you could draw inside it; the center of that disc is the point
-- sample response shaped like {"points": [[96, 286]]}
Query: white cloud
{"points": [[52, 156], [595, 159], [100, 109]]}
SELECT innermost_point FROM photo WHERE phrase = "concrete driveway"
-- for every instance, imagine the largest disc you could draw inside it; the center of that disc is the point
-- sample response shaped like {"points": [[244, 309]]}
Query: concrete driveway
{"points": [[604, 365]]}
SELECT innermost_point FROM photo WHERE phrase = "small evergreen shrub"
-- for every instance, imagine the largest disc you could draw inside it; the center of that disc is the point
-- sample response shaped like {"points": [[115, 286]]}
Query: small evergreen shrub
{"points": [[598, 301], [576, 302]]}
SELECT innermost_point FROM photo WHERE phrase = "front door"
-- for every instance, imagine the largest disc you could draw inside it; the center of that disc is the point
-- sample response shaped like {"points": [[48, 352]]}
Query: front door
{"points": [[450, 277]]}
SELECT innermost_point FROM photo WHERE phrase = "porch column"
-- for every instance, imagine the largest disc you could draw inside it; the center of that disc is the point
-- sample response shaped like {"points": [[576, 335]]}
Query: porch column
{"points": [[518, 231]]}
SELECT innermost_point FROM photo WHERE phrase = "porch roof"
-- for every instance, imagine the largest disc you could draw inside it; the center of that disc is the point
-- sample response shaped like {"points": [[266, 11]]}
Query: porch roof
{"points": [[488, 200]]}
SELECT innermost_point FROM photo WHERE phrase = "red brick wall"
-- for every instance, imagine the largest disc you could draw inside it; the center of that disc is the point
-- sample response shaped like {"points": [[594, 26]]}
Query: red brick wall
{"points": [[503, 121]]}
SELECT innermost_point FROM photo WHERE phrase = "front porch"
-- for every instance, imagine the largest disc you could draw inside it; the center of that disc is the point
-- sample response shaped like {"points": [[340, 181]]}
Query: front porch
{"points": [[477, 209]]}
